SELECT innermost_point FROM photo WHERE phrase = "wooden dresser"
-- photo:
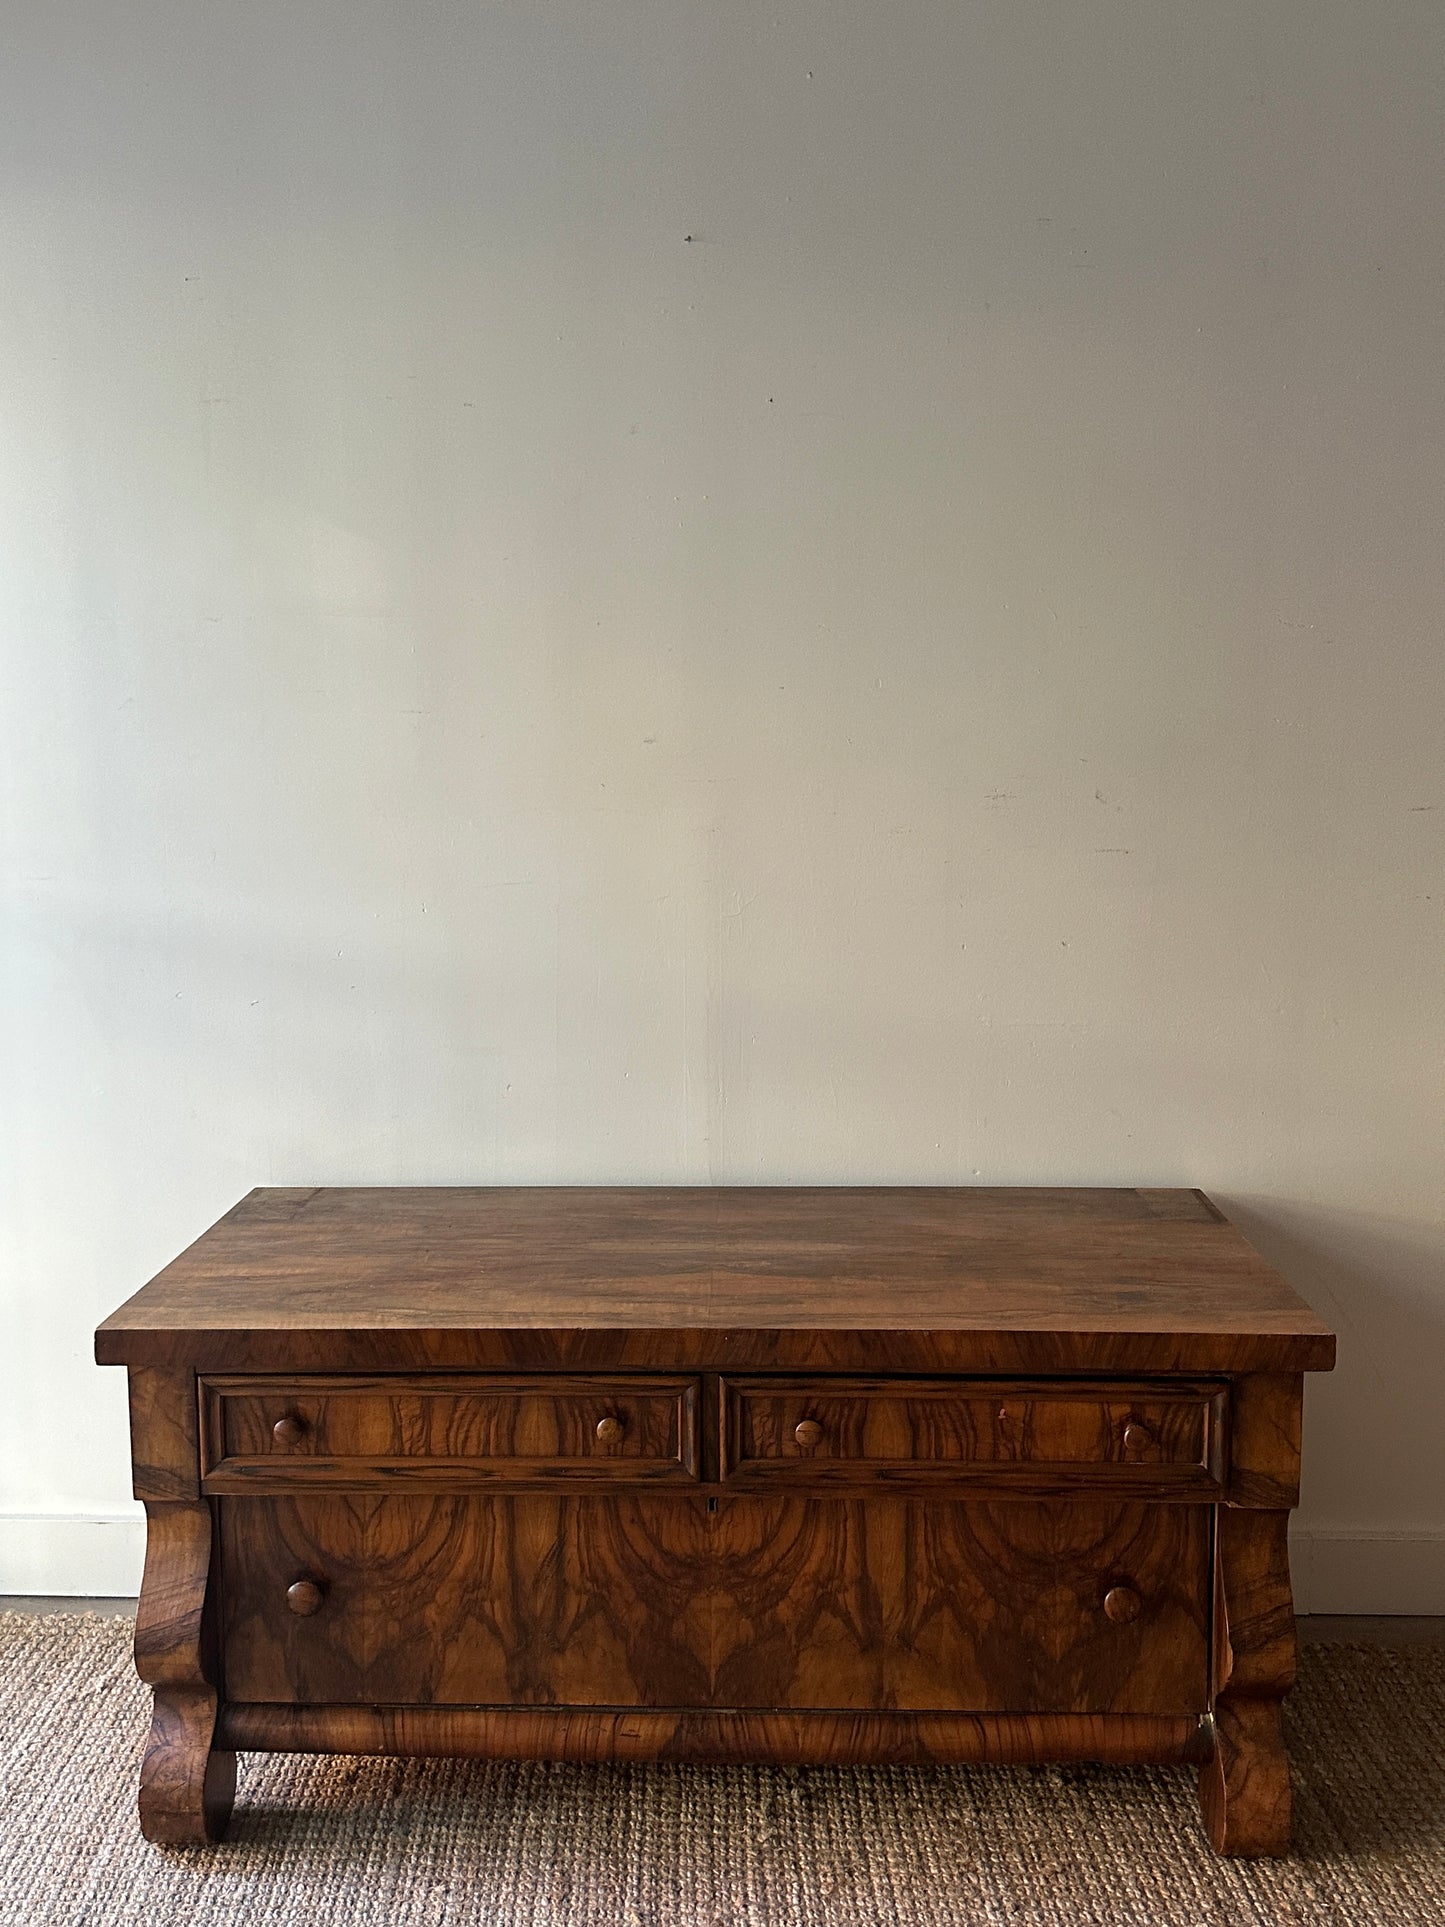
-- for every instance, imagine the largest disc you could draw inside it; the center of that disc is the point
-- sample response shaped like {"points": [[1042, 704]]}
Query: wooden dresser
{"points": [[819, 1475]]}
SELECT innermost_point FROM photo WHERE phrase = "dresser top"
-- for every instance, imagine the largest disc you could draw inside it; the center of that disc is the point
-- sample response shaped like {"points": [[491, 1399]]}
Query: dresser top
{"points": [[965, 1279]]}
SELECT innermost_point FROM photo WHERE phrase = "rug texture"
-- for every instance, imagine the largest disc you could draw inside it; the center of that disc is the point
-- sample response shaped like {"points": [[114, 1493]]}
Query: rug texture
{"points": [[378, 1843]]}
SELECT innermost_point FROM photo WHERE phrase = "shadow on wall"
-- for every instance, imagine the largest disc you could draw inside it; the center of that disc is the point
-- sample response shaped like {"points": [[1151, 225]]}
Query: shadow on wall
{"points": [[1375, 1443]]}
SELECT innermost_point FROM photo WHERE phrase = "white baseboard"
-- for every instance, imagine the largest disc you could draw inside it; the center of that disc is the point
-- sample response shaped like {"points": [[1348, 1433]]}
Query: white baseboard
{"points": [[66, 1553], [1359, 1569], [1337, 1569]]}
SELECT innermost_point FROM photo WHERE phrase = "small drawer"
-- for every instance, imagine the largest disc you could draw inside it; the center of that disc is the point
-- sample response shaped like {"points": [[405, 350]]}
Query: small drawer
{"points": [[1039, 1436], [291, 1434]]}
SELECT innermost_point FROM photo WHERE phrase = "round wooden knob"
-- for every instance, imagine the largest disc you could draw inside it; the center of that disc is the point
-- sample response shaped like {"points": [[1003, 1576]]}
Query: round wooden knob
{"points": [[1121, 1604], [1137, 1437], [289, 1431], [610, 1430], [808, 1433], [304, 1597]]}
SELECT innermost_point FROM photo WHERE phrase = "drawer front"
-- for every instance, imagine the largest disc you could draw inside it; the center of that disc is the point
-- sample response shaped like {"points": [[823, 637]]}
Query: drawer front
{"points": [[747, 1602], [290, 1434], [1145, 1439]]}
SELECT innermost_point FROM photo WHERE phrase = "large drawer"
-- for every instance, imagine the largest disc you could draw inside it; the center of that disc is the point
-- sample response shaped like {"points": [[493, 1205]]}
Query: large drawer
{"points": [[288, 1434], [1154, 1438], [768, 1601]]}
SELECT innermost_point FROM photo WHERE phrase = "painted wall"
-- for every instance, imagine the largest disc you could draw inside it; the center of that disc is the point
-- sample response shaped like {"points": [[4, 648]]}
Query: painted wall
{"points": [[751, 593]]}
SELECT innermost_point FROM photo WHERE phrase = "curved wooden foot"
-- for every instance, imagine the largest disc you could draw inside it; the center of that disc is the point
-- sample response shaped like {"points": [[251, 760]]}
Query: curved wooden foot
{"points": [[186, 1785], [1244, 1790]]}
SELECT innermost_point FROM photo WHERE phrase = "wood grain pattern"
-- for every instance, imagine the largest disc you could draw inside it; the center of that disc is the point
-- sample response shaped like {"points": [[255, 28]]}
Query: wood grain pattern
{"points": [[1030, 1435], [769, 1603], [735, 1735], [1244, 1789], [1266, 1427], [163, 1433], [187, 1782], [438, 1430], [685, 1279], [1045, 1519], [972, 1607]]}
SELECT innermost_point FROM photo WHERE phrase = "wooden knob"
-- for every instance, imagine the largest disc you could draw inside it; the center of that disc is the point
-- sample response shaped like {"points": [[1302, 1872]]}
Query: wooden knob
{"points": [[289, 1431], [808, 1433], [610, 1430], [1137, 1437], [304, 1597], [1121, 1604]]}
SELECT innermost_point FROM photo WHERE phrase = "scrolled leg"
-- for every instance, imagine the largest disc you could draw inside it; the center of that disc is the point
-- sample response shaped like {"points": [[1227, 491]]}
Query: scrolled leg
{"points": [[187, 1785], [1244, 1790]]}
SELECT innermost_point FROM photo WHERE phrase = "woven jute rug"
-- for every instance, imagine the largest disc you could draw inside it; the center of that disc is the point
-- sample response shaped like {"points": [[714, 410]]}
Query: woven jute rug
{"points": [[378, 1843]]}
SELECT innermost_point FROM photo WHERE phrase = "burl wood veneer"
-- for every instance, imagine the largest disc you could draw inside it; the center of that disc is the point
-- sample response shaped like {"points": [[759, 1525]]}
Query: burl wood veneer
{"points": [[725, 1474]]}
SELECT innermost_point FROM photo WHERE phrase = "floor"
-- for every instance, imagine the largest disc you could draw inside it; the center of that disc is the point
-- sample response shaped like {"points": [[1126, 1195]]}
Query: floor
{"points": [[358, 1842]]}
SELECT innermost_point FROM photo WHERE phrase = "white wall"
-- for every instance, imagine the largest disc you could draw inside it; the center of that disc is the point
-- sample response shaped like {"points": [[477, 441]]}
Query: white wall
{"points": [[936, 676]]}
